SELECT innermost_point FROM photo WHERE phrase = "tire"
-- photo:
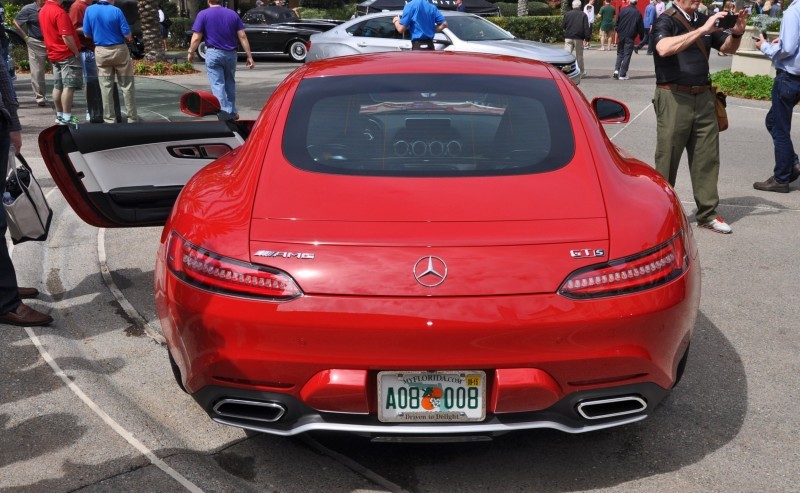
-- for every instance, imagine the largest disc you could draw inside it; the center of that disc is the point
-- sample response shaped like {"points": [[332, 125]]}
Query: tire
{"points": [[201, 50], [297, 50], [176, 372]]}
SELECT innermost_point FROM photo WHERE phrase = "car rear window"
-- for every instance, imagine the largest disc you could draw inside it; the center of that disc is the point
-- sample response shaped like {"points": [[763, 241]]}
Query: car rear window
{"points": [[428, 125]]}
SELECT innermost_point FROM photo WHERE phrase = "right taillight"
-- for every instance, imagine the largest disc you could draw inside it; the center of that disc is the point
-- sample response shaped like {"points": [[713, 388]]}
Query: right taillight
{"points": [[645, 270], [212, 272]]}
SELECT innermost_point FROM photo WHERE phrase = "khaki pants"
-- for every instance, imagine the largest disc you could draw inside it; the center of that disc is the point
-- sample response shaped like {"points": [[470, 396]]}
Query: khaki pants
{"points": [[688, 121], [37, 57], [115, 62], [575, 46]]}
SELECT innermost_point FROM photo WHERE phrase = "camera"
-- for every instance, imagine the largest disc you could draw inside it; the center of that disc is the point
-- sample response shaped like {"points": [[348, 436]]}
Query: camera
{"points": [[728, 21]]}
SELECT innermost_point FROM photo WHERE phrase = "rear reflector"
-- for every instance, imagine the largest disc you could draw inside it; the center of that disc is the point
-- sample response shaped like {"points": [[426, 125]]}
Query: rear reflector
{"points": [[646, 270], [207, 270]]}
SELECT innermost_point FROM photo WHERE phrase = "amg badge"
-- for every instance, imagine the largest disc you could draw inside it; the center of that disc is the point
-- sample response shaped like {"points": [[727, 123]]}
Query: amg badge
{"points": [[270, 253]]}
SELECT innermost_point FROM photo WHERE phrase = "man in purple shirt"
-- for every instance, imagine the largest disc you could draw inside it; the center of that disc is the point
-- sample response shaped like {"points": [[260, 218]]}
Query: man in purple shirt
{"points": [[221, 28]]}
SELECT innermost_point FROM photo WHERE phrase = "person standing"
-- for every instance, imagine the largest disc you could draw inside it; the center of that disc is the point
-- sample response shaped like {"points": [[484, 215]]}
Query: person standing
{"points": [[163, 25], [461, 8], [660, 7], [589, 11], [423, 20], [27, 21], [649, 19], [785, 55], [94, 99], [4, 47], [576, 32], [108, 28], [775, 11], [607, 15], [629, 25], [63, 51], [221, 28], [12, 310], [684, 104]]}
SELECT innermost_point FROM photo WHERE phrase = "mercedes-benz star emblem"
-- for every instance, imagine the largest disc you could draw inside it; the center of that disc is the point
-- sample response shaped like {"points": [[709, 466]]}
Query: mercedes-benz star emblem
{"points": [[430, 271]]}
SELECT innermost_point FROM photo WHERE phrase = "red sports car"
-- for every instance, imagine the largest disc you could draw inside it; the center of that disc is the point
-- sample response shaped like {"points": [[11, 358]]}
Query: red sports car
{"points": [[404, 246]]}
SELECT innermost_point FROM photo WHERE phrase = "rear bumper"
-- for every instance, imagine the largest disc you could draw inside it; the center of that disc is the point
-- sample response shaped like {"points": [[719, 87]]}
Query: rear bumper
{"points": [[299, 418]]}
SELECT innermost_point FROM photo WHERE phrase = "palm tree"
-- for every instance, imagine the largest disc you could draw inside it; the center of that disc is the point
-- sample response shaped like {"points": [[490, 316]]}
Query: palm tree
{"points": [[151, 32], [522, 8]]}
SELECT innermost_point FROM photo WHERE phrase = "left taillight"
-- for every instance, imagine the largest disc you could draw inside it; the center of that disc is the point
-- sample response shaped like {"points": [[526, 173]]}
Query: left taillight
{"points": [[645, 270], [212, 272]]}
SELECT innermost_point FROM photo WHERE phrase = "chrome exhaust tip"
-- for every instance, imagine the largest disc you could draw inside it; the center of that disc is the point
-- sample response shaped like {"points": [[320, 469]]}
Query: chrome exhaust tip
{"points": [[268, 412], [609, 408]]}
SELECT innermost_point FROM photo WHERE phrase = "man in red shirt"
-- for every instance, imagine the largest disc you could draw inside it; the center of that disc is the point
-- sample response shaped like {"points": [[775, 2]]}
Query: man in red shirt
{"points": [[94, 101], [63, 51]]}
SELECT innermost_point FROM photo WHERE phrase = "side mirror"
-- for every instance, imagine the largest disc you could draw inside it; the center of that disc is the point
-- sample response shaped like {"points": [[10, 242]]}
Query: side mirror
{"points": [[610, 111], [199, 103]]}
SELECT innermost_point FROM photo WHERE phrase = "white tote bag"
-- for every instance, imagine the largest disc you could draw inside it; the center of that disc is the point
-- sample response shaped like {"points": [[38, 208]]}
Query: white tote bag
{"points": [[27, 212]]}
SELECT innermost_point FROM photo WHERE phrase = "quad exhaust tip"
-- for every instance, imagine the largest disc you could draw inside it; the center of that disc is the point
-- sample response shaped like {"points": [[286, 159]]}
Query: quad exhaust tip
{"points": [[609, 408], [267, 412]]}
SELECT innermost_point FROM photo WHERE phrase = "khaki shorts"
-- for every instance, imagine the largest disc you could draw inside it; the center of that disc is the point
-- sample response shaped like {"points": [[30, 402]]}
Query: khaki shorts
{"points": [[68, 73]]}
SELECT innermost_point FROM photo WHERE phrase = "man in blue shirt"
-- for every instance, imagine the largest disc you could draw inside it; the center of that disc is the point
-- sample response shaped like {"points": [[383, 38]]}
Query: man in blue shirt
{"points": [[785, 54], [423, 20], [649, 19], [106, 25]]}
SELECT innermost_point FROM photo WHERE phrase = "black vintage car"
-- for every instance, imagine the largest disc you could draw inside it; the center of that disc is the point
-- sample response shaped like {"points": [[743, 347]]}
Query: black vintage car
{"points": [[275, 30]]}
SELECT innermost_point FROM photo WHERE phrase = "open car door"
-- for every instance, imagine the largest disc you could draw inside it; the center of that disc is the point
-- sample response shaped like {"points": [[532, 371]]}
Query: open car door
{"points": [[125, 175], [130, 175]]}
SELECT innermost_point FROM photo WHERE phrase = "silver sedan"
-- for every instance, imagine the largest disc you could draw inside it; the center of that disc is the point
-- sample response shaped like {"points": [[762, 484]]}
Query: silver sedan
{"points": [[464, 32]]}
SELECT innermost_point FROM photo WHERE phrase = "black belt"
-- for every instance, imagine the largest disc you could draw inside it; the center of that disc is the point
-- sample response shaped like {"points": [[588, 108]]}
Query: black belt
{"points": [[788, 74], [685, 89], [215, 48]]}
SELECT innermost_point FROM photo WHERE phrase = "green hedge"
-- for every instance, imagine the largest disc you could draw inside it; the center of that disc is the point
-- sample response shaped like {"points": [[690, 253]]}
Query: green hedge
{"points": [[547, 29], [342, 13], [177, 32], [509, 9], [743, 86]]}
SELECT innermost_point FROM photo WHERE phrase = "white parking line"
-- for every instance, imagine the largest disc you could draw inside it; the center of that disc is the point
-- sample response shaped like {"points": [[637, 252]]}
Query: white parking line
{"points": [[98, 411], [151, 331], [109, 420]]}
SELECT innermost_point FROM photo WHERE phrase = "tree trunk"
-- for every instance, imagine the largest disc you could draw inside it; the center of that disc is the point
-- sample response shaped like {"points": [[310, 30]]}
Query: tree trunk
{"points": [[566, 6], [194, 7], [151, 31], [522, 8]]}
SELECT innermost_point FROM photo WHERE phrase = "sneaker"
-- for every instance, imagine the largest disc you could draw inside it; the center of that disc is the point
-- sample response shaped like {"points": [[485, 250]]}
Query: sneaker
{"points": [[771, 185], [636, 50], [623, 77], [72, 121], [42, 102], [717, 225], [60, 121], [616, 75]]}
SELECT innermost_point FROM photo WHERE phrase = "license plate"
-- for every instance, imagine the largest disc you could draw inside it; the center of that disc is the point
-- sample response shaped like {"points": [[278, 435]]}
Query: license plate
{"points": [[424, 396]]}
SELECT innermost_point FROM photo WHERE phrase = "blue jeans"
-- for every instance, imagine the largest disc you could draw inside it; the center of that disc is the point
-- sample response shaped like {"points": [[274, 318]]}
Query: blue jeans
{"points": [[785, 96], [221, 70]]}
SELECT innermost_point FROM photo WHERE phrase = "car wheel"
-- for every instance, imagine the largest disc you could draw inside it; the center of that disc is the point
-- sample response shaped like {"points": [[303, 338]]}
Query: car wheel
{"points": [[298, 51], [201, 50]]}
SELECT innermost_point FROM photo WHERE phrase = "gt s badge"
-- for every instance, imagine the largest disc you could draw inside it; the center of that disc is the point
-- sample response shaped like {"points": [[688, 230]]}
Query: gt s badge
{"points": [[587, 253], [270, 253]]}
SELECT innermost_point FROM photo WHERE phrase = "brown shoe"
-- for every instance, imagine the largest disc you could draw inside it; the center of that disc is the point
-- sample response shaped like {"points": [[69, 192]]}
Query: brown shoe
{"points": [[26, 293], [771, 185], [25, 316]]}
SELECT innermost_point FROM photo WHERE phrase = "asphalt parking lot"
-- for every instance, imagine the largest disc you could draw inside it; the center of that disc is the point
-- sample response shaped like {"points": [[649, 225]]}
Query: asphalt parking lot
{"points": [[89, 404]]}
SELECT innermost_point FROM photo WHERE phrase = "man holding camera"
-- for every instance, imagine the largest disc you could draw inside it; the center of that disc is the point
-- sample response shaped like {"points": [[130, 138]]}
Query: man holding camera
{"points": [[684, 103], [785, 54]]}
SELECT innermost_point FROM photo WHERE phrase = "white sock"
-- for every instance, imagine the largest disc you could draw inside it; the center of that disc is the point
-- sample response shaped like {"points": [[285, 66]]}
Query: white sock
{"points": [[67, 116], [59, 114]]}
